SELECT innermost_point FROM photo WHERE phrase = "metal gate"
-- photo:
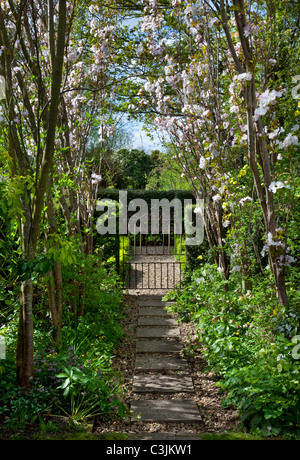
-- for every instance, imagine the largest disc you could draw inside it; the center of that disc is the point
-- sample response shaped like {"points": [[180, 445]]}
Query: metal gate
{"points": [[152, 263]]}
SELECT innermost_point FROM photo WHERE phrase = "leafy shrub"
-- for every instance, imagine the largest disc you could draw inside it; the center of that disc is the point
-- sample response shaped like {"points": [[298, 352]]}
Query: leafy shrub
{"points": [[267, 391], [87, 393], [18, 409], [246, 340], [85, 352]]}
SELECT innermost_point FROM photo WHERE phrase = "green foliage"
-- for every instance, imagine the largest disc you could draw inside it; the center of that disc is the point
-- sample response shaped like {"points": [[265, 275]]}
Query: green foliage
{"points": [[75, 379], [147, 195], [246, 336], [124, 257], [246, 340], [61, 249], [10, 191], [18, 409], [88, 394], [167, 175], [135, 166], [267, 392], [92, 288]]}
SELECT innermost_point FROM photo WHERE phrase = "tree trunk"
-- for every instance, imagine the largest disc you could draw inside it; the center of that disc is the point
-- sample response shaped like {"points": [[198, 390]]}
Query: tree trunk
{"points": [[52, 301], [55, 286], [257, 151], [25, 329], [216, 224], [25, 336], [55, 295], [59, 288]]}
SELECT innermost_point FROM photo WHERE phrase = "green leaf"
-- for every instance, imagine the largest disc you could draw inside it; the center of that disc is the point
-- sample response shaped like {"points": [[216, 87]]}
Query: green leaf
{"points": [[66, 392], [61, 376], [65, 383]]}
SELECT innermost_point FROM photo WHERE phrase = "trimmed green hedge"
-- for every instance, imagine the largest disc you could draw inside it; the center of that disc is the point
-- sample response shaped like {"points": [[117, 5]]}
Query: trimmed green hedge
{"points": [[147, 195]]}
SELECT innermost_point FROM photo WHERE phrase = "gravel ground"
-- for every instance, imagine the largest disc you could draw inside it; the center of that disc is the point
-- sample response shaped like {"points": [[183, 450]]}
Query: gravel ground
{"points": [[215, 419], [154, 268]]}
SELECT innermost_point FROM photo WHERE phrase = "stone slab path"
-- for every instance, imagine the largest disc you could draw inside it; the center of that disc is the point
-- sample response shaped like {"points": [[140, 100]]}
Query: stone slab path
{"points": [[154, 311], [152, 363], [158, 332], [153, 321], [166, 411], [163, 384], [162, 346], [160, 369]]}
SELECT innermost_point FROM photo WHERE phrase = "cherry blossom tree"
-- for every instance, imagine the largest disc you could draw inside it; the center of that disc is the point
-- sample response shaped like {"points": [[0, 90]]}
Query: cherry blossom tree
{"points": [[32, 40], [216, 98], [54, 60]]}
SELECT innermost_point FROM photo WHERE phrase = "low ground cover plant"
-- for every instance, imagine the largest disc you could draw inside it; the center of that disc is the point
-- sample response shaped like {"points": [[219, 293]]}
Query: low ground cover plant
{"points": [[249, 340], [73, 379]]}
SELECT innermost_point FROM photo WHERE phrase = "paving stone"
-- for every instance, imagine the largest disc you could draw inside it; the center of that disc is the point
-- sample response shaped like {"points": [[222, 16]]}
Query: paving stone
{"points": [[149, 363], [157, 332], [154, 303], [160, 321], [154, 311], [151, 303], [176, 411], [162, 384], [157, 346], [150, 296], [155, 322]]}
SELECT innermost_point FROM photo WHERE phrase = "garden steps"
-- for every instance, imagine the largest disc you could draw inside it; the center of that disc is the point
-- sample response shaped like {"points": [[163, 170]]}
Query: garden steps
{"points": [[157, 332], [160, 371]]}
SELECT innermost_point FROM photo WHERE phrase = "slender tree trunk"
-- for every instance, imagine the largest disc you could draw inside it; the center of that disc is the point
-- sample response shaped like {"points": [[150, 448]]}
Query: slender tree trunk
{"points": [[52, 301], [247, 284], [25, 336], [30, 225], [59, 288], [55, 286], [24, 356], [257, 151], [215, 216], [55, 295]]}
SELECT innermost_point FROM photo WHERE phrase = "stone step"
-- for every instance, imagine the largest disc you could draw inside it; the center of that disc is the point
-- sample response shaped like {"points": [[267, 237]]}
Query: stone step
{"points": [[154, 311], [149, 297], [176, 411], [156, 354], [153, 321], [154, 303], [157, 346], [151, 363], [157, 332], [162, 384], [151, 303]]}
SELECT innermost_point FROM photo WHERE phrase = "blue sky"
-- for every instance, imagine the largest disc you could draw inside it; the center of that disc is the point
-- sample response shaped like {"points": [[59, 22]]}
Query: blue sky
{"points": [[141, 140]]}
